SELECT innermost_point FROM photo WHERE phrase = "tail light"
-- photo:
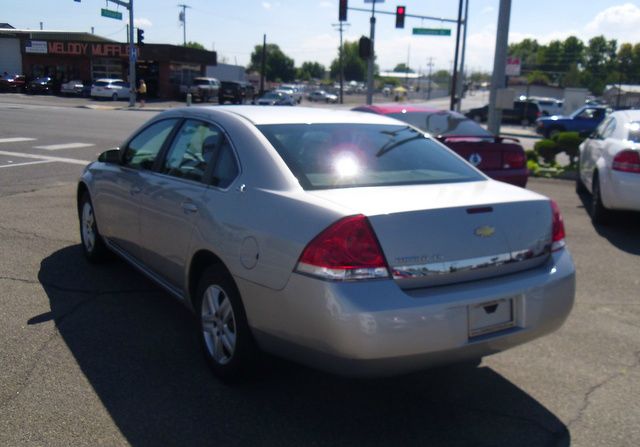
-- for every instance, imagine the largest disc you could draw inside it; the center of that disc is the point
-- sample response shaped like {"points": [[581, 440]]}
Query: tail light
{"points": [[513, 160], [627, 161], [538, 114], [347, 250], [557, 233]]}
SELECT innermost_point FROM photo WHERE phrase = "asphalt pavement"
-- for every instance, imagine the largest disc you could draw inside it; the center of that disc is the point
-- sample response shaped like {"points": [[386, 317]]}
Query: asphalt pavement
{"points": [[97, 355]]}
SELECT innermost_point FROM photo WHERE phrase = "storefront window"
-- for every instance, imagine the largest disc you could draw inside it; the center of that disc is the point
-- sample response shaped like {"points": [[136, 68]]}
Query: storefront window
{"points": [[183, 74], [107, 68]]}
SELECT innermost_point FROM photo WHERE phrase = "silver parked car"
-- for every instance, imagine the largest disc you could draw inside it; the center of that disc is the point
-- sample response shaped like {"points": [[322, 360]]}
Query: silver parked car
{"points": [[348, 241]]}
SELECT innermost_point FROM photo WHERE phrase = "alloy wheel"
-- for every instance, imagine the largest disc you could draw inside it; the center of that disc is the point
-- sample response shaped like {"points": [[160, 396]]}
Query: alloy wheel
{"points": [[218, 325]]}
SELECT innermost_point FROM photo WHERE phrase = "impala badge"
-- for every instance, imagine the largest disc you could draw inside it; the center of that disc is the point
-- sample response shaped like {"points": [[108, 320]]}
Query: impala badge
{"points": [[485, 231], [475, 159]]}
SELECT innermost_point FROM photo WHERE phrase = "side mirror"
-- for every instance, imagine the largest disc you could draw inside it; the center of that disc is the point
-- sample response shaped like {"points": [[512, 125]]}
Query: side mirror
{"points": [[110, 156]]}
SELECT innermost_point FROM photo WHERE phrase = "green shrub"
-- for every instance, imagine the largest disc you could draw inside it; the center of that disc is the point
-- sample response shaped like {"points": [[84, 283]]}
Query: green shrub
{"points": [[532, 155], [533, 167], [568, 142], [547, 149]]}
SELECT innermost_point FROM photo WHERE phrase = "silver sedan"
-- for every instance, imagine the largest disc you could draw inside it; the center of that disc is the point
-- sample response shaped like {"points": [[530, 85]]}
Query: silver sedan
{"points": [[348, 241]]}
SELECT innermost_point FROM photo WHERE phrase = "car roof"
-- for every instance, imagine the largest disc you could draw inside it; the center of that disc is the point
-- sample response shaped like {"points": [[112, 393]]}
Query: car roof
{"points": [[259, 115], [630, 115], [385, 109]]}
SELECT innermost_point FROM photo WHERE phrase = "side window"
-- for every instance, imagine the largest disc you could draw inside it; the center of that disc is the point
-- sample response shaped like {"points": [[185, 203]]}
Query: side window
{"points": [[143, 149], [609, 129], [226, 168], [602, 127], [195, 147]]}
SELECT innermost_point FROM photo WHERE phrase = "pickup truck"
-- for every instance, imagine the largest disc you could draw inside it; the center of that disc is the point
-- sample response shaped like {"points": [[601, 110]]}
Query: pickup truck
{"points": [[584, 120], [202, 89]]}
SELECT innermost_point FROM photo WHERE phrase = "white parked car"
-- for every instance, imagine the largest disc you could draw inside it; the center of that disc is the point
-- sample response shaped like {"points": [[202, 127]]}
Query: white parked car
{"points": [[322, 96], [110, 88], [548, 106], [73, 87], [609, 165], [292, 91]]}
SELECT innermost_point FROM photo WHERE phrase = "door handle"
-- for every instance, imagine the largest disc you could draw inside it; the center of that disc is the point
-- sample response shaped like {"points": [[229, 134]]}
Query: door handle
{"points": [[189, 207], [135, 190]]}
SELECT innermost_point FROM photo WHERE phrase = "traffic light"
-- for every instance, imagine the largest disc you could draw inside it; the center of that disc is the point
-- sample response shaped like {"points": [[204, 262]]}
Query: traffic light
{"points": [[342, 11], [140, 37], [364, 47], [400, 11]]}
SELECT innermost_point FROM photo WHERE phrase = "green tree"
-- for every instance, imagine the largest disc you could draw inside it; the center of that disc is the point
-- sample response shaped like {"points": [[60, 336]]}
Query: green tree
{"points": [[526, 51], [355, 68], [600, 63], [196, 45], [538, 77], [310, 70], [403, 68], [279, 67]]}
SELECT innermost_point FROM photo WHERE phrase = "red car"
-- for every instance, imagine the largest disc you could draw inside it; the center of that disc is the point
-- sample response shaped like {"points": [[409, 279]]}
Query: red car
{"points": [[499, 157], [12, 83]]}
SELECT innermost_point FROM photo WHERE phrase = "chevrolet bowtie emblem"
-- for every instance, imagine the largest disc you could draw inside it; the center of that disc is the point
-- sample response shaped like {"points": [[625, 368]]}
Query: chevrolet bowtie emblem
{"points": [[485, 231]]}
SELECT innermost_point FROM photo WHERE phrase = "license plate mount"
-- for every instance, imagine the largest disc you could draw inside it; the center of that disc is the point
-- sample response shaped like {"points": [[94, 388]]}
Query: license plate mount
{"points": [[491, 316]]}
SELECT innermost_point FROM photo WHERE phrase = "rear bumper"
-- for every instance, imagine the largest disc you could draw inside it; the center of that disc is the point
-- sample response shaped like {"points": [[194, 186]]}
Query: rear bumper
{"points": [[375, 328], [516, 177], [621, 190]]}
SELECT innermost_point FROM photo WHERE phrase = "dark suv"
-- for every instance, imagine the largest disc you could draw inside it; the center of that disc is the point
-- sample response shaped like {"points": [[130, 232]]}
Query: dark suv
{"points": [[523, 112], [236, 92]]}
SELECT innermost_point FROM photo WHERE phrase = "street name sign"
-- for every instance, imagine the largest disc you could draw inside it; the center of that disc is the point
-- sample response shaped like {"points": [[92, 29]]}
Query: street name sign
{"points": [[111, 14], [432, 31]]}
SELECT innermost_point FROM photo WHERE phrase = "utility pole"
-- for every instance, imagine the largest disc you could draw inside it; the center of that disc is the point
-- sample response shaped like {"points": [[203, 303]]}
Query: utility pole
{"points": [[370, 67], [340, 26], [183, 19], [263, 65], [454, 79], [499, 66], [464, 48], [430, 65]]}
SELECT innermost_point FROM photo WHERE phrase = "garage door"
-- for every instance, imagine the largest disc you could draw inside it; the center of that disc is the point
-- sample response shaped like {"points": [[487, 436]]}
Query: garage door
{"points": [[10, 57]]}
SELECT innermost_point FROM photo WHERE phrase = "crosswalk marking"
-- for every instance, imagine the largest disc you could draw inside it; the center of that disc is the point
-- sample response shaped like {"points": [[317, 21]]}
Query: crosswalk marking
{"points": [[13, 165], [57, 147], [16, 140], [46, 157]]}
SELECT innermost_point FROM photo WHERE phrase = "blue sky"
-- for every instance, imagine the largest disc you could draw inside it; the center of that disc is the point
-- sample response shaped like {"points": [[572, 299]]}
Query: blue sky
{"points": [[303, 28]]}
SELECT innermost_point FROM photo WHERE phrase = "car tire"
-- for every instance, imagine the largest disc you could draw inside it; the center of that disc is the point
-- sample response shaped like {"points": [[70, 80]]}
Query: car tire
{"points": [[93, 245], [552, 132], [224, 333], [599, 213], [114, 97]]}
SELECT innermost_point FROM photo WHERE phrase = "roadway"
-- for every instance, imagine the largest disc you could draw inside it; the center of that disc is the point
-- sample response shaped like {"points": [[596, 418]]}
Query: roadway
{"points": [[97, 355]]}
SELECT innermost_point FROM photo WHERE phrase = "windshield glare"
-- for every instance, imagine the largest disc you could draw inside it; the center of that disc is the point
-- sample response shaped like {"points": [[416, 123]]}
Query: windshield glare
{"points": [[442, 123], [325, 156]]}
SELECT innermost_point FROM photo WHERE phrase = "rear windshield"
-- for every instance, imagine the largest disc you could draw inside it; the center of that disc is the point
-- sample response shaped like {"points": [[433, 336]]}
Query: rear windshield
{"points": [[326, 156], [442, 123], [634, 132]]}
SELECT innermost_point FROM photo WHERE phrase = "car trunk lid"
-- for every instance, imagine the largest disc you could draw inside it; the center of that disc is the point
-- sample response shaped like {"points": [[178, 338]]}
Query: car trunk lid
{"points": [[441, 234]]}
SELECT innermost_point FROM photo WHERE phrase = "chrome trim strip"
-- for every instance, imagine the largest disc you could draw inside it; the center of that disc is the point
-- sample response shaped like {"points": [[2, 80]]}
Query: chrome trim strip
{"points": [[465, 265]]}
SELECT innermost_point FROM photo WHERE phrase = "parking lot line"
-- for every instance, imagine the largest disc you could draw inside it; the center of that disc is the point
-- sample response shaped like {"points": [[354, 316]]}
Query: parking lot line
{"points": [[13, 165], [46, 157], [57, 147], [16, 140]]}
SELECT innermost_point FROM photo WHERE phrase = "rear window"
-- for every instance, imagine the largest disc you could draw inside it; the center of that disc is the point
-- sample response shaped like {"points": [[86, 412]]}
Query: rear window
{"points": [[442, 123], [100, 84], [201, 82], [326, 156], [634, 132]]}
